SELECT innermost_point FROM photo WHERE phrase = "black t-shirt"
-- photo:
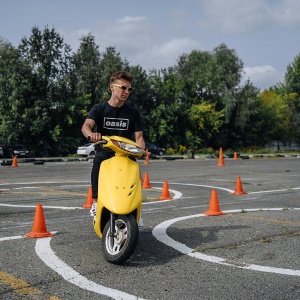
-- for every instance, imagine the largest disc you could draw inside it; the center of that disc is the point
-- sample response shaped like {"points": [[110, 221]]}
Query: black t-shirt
{"points": [[122, 121]]}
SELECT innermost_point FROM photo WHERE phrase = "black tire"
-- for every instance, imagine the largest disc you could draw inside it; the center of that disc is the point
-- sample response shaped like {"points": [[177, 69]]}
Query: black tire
{"points": [[120, 248], [161, 153], [92, 153]]}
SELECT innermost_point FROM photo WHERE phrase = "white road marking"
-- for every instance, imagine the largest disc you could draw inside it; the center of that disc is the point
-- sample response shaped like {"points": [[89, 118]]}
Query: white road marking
{"points": [[200, 185], [271, 191], [45, 253], [44, 206], [160, 233], [39, 182], [11, 238]]}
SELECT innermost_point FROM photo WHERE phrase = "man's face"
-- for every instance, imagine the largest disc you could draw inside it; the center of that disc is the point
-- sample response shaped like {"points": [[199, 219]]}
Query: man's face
{"points": [[119, 89]]}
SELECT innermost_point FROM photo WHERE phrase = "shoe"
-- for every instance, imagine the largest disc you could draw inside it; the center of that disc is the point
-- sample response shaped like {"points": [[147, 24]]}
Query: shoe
{"points": [[93, 209], [141, 222]]}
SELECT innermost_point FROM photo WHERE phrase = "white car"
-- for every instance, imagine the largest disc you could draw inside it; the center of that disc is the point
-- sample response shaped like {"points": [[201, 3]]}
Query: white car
{"points": [[86, 150]]}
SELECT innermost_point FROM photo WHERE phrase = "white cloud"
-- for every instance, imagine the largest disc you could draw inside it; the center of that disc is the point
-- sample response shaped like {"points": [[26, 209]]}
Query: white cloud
{"points": [[166, 54], [259, 70], [233, 16], [130, 19], [263, 76], [136, 39], [129, 34], [287, 12], [240, 16]]}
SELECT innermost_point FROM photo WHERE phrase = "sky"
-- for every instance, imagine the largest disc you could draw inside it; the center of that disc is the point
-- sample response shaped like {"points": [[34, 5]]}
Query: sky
{"points": [[155, 33]]}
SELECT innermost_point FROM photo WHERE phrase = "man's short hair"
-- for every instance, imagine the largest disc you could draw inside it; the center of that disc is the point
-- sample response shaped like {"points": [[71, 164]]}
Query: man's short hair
{"points": [[121, 75]]}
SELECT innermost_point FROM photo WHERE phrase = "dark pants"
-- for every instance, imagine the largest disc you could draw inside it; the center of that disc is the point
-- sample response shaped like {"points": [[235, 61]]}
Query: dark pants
{"points": [[98, 159]]}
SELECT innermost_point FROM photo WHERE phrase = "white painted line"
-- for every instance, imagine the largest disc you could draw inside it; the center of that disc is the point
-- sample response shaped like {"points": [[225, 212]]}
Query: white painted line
{"points": [[21, 188], [200, 185], [11, 238], [177, 195], [160, 233], [39, 182], [45, 253], [40, 187], [271, 191], [46, 206]]}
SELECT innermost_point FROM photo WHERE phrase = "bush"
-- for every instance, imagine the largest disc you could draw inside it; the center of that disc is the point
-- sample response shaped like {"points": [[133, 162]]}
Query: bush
{"points": [[170, 151], [182, 150]]}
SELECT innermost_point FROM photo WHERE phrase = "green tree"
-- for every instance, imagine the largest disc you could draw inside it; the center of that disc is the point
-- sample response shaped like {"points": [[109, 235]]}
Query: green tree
{"points": [[15, 87], [205, 122], [168, 116], [47, 113], [141, 98], [277, 113], [208, 76], [241, 108], [212, 78], [291, 93], [87, 70], [292, 75]]}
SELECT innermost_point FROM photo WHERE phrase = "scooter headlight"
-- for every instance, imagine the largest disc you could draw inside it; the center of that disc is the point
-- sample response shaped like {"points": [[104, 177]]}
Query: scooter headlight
{"points": [[128, 147]]}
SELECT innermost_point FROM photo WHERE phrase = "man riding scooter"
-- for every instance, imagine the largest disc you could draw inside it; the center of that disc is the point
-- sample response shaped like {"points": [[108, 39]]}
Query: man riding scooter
{"points": [[114, 117]]}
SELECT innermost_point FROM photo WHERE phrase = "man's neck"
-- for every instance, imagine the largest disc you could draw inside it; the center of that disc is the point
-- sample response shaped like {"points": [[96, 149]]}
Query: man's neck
{"points": [[115, 102]]}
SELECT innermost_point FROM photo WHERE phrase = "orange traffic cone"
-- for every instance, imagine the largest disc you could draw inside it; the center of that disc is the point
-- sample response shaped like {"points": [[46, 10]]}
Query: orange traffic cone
{"points": [[14, 162], [89, 199], [235, 156], [165, 194], [238, 187], [146, 183], [221, 159], [147, 159], [214, 208], [39, 229]]}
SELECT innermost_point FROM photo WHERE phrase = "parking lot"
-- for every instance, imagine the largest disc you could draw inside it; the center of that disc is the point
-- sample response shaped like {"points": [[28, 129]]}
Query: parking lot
{"points": [[250, 252]]}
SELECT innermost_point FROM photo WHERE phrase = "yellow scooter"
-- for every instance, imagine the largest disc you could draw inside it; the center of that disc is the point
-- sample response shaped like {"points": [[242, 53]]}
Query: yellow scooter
{"points": [[120, 200]]}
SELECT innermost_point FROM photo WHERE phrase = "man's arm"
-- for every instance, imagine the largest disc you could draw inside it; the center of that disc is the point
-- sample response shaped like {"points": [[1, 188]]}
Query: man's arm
{"points": [[86, 129], [139, 139]]}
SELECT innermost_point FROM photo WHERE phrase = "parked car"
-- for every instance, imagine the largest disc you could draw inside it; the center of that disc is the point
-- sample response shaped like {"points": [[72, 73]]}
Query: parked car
{"points": [[86, 150], [19, 151], [154, 149]]}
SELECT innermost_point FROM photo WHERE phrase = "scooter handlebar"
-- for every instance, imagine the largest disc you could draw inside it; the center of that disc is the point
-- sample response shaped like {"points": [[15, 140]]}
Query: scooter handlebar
{"points": [[99, 142]]}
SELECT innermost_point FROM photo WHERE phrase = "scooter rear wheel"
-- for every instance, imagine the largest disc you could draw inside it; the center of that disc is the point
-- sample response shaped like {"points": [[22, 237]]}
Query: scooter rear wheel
{"points": [[120, 248]]}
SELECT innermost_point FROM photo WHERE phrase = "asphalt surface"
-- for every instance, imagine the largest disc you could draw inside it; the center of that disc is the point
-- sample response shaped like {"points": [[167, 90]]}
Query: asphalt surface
{"points": [[250, 252]]}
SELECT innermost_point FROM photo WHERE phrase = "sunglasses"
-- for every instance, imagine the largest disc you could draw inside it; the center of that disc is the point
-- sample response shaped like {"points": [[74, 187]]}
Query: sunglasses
{"points": [[123, 87]]}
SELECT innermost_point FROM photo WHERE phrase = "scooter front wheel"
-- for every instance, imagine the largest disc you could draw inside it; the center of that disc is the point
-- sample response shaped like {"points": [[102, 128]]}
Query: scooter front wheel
{"points": [[119, 248]]}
